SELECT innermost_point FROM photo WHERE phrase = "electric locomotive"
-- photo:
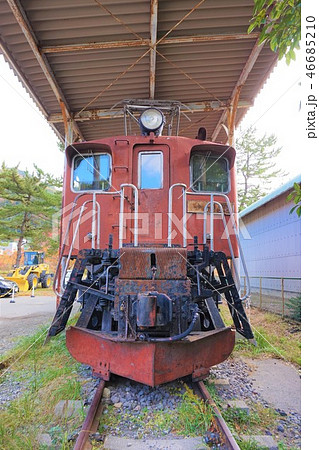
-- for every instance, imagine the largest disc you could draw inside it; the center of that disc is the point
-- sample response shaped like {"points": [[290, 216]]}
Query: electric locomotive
{"points": [[149, 245]]}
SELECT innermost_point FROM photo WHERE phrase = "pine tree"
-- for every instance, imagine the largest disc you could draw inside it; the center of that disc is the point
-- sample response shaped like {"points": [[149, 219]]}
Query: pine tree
{"points": [[255, 166], [28, 201]]}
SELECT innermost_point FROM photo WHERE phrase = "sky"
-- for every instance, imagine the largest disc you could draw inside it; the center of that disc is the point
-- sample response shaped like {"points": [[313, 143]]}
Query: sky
{"points": [[27, 138], [276, 111]]}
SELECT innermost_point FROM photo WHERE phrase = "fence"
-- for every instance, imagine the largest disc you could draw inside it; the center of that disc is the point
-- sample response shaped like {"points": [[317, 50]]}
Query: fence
{"points": [[272, 293]]}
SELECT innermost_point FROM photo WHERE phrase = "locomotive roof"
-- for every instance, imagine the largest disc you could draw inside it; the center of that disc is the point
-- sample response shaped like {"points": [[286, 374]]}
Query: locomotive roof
{"points": [[78, 60]]}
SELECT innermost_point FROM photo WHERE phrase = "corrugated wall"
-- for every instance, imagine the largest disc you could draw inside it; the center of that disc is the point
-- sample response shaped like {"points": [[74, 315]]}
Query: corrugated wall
{"points": [[271, 241]]}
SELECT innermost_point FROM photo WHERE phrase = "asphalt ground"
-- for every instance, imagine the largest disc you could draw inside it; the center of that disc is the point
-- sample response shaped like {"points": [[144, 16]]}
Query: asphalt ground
{"points": [[23, 317]]}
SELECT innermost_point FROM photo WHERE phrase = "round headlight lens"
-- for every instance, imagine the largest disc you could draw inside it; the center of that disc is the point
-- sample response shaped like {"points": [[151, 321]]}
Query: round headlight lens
{"points": [[151, 119]]}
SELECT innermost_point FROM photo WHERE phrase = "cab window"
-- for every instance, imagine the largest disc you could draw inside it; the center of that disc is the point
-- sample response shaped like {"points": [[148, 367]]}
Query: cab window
{"points": [[92, 172], [209, 173], [150, 170]]}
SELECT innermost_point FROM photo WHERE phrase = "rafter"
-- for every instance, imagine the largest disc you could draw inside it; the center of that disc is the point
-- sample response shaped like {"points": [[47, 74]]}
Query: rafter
{"points": [[235, 93], [86, 46], [153, 34], [100, 114]]}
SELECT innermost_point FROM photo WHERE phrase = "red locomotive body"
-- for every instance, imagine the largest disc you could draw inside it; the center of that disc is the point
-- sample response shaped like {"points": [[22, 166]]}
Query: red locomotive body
{"points": [[150, 222]]}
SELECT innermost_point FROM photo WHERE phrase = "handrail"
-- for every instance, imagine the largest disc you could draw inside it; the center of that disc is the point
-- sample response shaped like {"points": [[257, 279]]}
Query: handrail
{"points": [[226, 231], [95, 203], [121, 224], [211, 202], [241, 253], [170, 212], [234, 226], [66, 235]]}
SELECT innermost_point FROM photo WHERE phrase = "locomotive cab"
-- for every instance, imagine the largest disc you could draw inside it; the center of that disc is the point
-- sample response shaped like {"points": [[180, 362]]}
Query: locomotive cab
{"points": [[149, 228]]}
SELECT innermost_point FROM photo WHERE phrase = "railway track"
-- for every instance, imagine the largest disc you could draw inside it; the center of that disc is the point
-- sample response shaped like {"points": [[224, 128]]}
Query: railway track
{"points": [[218, 436]]}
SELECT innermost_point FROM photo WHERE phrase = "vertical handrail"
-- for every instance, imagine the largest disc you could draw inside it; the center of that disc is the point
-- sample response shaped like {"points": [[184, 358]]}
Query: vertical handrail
{"points": [[239, 244], [204, 223], [211, 224], [226, 231], [229, 243], [234, 226], [78, 223], [121, 224], [94, 236], [170, 212], [93, 219]]}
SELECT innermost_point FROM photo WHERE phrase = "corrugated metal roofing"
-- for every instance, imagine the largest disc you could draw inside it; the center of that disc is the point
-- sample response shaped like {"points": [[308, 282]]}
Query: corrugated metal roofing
{"points": [[91, 54], [274, 194]]}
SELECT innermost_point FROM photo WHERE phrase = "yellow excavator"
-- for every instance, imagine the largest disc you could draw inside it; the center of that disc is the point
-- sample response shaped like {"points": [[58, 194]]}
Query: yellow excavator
{"points": [[33, 273]]}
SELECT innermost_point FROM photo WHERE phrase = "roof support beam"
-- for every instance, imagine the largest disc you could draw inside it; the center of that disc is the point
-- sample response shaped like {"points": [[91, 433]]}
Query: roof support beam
{"points": [[26, 28], [147, 42], [153, 34], [188, 108], [236, 91]]}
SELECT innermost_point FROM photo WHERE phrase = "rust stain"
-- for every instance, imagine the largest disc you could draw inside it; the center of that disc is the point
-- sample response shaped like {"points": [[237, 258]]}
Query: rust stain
{"points": [[197, 206]]}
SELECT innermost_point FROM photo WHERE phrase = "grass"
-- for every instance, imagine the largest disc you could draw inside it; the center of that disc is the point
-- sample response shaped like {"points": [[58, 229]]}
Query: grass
{"points": [[46, 292], [49, 374], [192, 418], [275, 337]]}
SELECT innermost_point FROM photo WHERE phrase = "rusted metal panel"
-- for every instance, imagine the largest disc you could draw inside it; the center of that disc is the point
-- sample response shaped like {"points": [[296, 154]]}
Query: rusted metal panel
{"points": [[173, 288], [136, 263], [197, 206], [150, 363]]}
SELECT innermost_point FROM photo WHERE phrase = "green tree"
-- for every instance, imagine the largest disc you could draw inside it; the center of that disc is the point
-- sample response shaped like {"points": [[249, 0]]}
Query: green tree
{"points": [[280, 25], [295, 196], [28, 201], [255, 166]]}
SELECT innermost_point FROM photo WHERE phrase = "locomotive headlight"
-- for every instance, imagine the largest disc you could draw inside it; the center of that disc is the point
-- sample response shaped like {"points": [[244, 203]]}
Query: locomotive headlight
{"points": [[151, 120]]}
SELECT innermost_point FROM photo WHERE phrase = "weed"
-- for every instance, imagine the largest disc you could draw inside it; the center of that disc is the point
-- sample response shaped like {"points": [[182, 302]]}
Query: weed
{"points": [[49, 374], [294, 304], [273, 336], [194, 415], [250, 445]]}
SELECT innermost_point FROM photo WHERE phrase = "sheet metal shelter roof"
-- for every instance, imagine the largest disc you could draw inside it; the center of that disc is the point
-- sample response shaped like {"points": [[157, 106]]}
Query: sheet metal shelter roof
{"points": [[79, 59], [274, 194]]}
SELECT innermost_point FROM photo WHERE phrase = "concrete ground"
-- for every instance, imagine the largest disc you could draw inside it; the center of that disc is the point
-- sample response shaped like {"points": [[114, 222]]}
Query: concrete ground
{"points": [[23, 317], [117, 443], [278, 383]]}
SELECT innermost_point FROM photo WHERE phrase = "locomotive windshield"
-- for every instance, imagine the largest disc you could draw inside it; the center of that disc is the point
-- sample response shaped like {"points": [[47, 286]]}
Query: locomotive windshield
{"points": [[92, 172], [209, 173], [150, 170]]}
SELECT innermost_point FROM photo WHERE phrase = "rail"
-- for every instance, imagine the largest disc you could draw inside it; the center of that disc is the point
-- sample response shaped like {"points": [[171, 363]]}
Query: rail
{"points": [[230, 443], [222, 432]]}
